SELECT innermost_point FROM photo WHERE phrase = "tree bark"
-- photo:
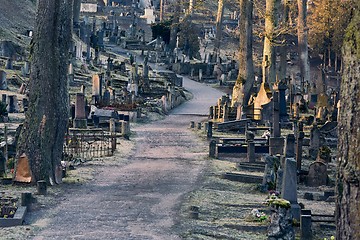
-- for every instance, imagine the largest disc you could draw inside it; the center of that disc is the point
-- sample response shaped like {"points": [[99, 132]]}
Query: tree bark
{"points": [[245, 79], [283, 47], [269, 53], [45, 123], [219, 23], [303, 43], [348, 177]]}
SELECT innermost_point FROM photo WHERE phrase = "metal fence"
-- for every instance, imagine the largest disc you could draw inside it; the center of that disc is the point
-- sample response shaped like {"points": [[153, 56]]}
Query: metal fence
{"points": [[87, 144]]}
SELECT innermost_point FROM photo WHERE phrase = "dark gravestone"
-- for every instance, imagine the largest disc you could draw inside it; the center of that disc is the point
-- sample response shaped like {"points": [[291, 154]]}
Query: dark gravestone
{"points": [[282, 102], [317, 174], [2, 164], [290, 146], [289, 186], [269, 178], [3, 81]]}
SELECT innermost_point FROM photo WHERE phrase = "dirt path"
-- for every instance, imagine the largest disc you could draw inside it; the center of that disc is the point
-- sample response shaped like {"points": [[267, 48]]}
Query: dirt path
{"points": [[137, 197]]}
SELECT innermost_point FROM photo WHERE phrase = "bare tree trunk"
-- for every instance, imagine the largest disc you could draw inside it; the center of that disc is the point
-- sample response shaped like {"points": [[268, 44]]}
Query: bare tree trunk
{"points": [[283, 47], [348, 177], [269, 54], [45, 124], [219, 21], [245, 79], [175, 27], [162, 3], [303, 43]]}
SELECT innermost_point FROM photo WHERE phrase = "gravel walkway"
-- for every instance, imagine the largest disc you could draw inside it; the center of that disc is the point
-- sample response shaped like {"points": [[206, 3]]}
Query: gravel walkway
{"points": [[138, 197]]}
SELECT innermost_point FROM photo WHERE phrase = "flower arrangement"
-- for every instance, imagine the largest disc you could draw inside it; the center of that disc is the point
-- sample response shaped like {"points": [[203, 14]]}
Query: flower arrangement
{"points": [[274, 200]]}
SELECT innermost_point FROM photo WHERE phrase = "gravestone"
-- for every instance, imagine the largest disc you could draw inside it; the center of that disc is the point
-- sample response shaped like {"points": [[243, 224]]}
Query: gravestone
{"points": [[106, 98], [316, 140], [3, 81], [12, 102], [299, 145], [289, 186], [276, 130], [271, 166], [290, 146], [96, 88], [282, 102], [317, 174], [250, 136], [9, 64], [80, 120]]}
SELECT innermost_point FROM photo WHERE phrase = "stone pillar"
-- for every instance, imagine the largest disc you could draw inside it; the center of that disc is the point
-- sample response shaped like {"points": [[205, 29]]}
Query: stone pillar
{"points": [[209, 130], [80, 120], [112, 125], [305, 227], [289, 186], [299, 145], [76, 12], [106, 98], [282, 102], [13, 106], [212, 149], [276, 131], [3, 81], [9, 64], [25, 103], [225, 113], [250, 136], [3, 98], [200, 75], [211, 112], [96, 88]]}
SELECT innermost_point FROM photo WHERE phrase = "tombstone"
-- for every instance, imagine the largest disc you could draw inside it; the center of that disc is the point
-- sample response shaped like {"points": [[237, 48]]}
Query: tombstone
{"points": [[269, 178], [250, 136], [315, 141], [282, 102], [106, 98], [80, 120], [9, 64], [290, 146], [25, 69], [3, 81], [305, 227], [3, 98], [2, 164], [209, 130], [280, 174], [276, 145], [317, 175], [299, 146], [289, 186], [96, 88], [13, 106], [276, 130], [225, 112], [25, 103]]}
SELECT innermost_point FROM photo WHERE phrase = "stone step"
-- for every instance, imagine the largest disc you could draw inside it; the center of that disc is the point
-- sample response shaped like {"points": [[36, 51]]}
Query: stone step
{"points": [[245, 178]]}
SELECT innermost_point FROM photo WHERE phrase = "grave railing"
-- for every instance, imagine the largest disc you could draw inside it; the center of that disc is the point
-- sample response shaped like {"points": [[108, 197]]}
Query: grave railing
{"points": [[86, 144]]}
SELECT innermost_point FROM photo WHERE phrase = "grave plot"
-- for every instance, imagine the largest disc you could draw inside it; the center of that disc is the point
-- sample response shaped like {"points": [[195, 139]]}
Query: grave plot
{"points": [[11, 211]]}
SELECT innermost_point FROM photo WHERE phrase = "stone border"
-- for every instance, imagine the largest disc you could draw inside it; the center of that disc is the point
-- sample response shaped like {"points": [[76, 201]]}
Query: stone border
{"points": [[18, 218]]}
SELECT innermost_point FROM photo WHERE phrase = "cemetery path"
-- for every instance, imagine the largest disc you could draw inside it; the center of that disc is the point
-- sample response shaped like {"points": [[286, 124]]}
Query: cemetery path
{"points": [[139, 196]]}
